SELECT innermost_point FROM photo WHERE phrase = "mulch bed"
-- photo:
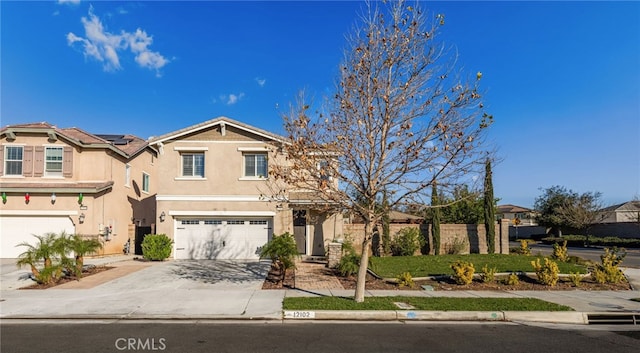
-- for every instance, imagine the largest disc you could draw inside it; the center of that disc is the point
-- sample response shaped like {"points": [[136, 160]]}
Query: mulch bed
{"points": [[85, 273], [526, 283]]}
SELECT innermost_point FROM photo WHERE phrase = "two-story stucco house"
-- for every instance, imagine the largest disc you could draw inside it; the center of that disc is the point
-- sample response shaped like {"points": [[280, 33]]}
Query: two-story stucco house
{"points": [[54, 180], [215, 194]]}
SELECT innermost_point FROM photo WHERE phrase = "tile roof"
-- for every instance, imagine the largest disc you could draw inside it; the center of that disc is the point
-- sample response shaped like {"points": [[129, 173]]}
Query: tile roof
{"points": [[509, 208]]}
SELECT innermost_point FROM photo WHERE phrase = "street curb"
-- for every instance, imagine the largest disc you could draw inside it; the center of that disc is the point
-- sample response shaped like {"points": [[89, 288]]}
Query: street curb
{"points": [[565, 317]]}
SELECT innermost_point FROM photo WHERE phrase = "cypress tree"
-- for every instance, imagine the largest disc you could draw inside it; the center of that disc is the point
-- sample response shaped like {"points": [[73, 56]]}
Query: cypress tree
{"points": [[489, 209], [435, 219]]}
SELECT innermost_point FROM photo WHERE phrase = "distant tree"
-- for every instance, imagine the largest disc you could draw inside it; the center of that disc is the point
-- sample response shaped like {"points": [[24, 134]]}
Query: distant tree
{"points": [[559, 207], [462, 207], [581, 211], [400, 118], [547, 205], [489, 209]]}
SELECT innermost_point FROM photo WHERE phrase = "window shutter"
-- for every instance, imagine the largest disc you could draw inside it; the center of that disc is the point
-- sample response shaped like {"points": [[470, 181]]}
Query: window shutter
{"points": [[67, 162], [27, 161], [2, 161], [38, 165]]}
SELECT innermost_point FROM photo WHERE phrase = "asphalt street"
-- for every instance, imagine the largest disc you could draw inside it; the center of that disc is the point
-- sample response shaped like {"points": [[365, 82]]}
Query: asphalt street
{"points": [[632, 259], [308, 337]]}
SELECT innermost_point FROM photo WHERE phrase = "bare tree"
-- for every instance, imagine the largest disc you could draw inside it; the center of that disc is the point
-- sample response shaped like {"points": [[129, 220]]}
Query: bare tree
{"points": [[400, 118]]}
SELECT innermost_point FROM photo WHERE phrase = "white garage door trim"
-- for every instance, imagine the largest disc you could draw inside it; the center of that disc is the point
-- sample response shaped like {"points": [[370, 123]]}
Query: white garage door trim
{"points": [[20, 228], [221, 237]]}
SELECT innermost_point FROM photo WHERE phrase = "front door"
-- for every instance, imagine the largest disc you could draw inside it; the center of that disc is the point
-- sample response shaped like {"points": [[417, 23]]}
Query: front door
{"points": [[300, 230]]}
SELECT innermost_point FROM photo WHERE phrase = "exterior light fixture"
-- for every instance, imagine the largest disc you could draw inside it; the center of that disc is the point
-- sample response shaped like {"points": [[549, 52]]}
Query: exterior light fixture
{"points": [[80, 198], [4, 197], [162, 216], [27, 198], [53, 198], [81, 218]]}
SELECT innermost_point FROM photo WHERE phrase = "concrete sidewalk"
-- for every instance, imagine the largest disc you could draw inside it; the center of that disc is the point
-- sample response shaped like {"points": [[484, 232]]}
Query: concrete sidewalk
{"points": [[231, 290]]}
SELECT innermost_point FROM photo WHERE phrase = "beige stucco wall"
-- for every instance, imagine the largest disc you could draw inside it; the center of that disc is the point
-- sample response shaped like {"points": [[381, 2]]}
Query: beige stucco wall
{"points": [[473, 235]]}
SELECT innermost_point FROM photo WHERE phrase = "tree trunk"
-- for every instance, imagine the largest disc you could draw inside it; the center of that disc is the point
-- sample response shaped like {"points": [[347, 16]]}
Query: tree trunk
{"points": [[364, 263], [79, 265]]}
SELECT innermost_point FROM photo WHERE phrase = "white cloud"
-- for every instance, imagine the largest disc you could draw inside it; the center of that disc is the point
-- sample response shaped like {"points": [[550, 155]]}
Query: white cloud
{"points": [[231, 98], [104, 46], [261, 81], [68, 2]]}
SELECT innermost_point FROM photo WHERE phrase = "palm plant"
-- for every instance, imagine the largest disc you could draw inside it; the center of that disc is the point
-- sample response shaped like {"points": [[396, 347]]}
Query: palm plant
{"points": [[282, 250], [80, 247], [47, 249]]}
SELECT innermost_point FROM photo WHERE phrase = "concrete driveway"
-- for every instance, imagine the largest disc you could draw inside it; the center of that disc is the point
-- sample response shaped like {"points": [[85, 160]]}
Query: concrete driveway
{"points": [[193, 274], [170, 289]]}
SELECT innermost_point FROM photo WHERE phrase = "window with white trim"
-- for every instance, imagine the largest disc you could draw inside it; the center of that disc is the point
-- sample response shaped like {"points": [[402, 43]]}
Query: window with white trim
{"points": [[53, 161], [258, 222], [213, 222], [193, 164], [255, 165], [145, 182], [235, 223], [13, 160], [190, 222]]}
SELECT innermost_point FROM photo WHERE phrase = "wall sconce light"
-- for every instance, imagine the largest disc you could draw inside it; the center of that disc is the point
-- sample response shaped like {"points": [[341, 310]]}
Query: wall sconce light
{"points": [[4, 197], [27, 198], [81, 218], [53, 198], [80, 198], [162, 216]]}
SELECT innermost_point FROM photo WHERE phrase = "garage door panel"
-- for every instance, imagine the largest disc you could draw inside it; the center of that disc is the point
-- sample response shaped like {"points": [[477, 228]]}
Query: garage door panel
{"points": [[229, 239], [17, 229]]}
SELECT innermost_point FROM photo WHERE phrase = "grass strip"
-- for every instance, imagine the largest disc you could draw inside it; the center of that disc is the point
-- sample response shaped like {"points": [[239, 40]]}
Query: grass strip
{"points": [[422, 303], [430, 265]]}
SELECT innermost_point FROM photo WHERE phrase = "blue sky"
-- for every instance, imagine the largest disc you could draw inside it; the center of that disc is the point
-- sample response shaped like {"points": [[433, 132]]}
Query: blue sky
{"points": [[562, 78]]}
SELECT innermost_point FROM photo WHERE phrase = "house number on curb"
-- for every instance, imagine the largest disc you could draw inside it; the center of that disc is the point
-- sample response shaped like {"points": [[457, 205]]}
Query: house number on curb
{"points": [[299, 314]]}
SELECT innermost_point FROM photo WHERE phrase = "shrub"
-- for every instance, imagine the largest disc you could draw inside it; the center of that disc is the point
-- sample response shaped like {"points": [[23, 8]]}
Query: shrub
{"points": [[524, 247], [349, 264], [463, 272], [407, 242], [488, 274], [457, 246], [547, 273], [560, 252], [156, 247], [350, 261], [575, 278], [608, 271], [512, 279], [282, 251], [405, 280]]}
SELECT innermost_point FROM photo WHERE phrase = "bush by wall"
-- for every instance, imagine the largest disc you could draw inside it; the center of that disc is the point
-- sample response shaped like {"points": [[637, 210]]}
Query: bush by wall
{"points": [[156, 247]]}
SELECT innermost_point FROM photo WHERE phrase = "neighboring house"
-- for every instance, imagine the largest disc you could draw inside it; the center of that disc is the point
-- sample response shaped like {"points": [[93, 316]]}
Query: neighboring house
{"points": [[54, 180], [624, 212], [517, 215], [214, 196]]}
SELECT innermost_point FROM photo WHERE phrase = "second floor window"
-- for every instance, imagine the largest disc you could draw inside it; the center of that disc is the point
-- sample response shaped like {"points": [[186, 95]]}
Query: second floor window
{"points": [[193, 165], [255, 165], [145, 182], [13, 160], [53, 161]]}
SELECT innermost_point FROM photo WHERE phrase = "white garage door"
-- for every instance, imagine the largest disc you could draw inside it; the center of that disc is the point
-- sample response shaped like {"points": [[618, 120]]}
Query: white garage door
{"points": [[17, 229], [237, 238]]}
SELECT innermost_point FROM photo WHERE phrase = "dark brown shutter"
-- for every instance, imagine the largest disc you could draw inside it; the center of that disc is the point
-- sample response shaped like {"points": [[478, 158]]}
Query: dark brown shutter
{"points": [[27, 161], [38, 162], [67, 162]]}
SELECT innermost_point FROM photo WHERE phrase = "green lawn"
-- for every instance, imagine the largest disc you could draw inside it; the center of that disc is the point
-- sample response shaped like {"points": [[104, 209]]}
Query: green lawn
{"points": [[422, 303], [430, 265]]}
